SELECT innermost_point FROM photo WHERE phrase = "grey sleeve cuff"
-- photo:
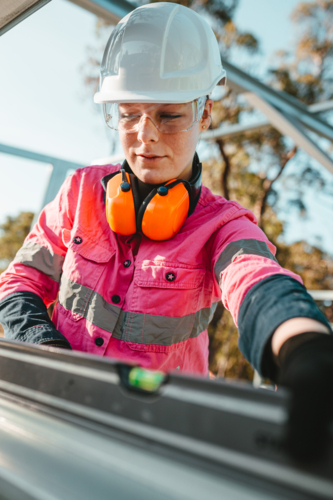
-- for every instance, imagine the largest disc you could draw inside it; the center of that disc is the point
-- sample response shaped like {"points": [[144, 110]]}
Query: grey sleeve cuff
{"points": [[266, 306]]}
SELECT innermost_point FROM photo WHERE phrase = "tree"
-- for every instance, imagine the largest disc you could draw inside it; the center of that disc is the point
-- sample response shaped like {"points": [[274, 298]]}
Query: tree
{"points": [[251, 165], [306, 73], [12, 234]]}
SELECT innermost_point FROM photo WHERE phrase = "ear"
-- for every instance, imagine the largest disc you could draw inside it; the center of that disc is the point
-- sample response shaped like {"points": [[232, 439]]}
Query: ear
{"points": [[206, 116]]}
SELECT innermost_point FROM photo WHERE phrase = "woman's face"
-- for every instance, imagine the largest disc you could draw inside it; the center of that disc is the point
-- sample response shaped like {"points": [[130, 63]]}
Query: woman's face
{"points": [[157, 157]]}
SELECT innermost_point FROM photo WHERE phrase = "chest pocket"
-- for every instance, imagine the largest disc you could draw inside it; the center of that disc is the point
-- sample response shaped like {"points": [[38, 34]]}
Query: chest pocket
{"points": [[82, 269], [165, 300], [168, 289]]}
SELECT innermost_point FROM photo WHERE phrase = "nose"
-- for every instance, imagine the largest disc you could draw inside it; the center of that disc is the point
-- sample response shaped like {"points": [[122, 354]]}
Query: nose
{"points": [[147, 132]]}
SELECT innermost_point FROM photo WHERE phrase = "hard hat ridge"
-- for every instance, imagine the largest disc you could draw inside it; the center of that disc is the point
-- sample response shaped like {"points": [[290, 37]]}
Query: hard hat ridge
{"points": [[161, 52]]}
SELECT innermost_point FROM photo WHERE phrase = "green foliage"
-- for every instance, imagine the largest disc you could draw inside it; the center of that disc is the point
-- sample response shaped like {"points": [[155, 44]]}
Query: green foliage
{"points": [[252, 162], [12, 234], [306, 73], [225, 359]]}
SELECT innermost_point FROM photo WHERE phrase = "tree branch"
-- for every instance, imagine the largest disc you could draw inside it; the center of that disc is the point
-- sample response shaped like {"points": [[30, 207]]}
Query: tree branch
{"points": [[261, 204], [226, 171]]}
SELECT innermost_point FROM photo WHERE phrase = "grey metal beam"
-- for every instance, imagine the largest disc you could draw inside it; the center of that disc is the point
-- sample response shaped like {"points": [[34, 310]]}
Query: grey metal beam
{"points": [[60, 168], [321, 294], [13, 12], [58, 175], [241, 82], [288, 125], [110, 10], [32, 155], [321, 107], [232, 130]]}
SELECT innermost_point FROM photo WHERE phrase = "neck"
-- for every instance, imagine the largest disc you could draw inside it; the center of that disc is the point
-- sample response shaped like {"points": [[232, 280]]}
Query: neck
{"points": [[145, 189]]}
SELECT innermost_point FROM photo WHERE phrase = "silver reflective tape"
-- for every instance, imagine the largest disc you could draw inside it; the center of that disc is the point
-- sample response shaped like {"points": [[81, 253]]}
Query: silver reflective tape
{"points": [[131, 327], [41, 258], [241, 247], [83, 301], [161, 330]]}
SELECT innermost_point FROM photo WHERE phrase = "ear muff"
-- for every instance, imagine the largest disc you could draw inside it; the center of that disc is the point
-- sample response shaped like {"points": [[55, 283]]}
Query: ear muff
{"points": [[164, 211], [120, 209]]}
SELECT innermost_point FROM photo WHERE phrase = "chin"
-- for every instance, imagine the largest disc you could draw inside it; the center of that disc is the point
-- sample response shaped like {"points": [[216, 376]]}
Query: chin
{"points": [[152, 178], [151, 175]]}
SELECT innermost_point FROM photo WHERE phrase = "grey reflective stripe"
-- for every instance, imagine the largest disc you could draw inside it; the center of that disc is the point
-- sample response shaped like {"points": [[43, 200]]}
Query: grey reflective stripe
{"points": [[241, 247], [161, 330], [41, 258], [131, 327], [82, 300]]}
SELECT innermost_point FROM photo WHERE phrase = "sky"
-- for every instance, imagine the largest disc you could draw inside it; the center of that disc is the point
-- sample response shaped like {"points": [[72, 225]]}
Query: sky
{"points": [[46, 108]]}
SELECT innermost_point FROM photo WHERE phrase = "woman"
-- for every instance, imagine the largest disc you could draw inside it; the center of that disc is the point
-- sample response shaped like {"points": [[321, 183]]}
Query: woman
{"points": [[141, 253]]}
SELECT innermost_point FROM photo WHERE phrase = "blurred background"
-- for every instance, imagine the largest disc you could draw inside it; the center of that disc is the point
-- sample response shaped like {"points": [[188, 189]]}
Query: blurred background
{"points": [[49, 73]]}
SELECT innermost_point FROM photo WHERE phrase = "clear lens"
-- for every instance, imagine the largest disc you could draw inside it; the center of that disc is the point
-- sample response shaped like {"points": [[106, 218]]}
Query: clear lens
{"points": [[167, 118], [111, 114]]}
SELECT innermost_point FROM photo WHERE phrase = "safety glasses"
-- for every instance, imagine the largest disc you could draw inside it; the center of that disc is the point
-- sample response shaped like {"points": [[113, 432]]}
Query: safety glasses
{"points": [[167, 118]]}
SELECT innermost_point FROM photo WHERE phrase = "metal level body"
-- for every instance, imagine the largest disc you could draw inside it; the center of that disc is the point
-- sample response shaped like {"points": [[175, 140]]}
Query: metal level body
{"points": [[70, 427]]}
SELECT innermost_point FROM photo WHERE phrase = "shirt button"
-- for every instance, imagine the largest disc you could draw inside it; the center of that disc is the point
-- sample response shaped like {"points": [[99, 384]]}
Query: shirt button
{"points": [[115, 299], [170, 276], [77, 240], [127, 263], [99, 341]]}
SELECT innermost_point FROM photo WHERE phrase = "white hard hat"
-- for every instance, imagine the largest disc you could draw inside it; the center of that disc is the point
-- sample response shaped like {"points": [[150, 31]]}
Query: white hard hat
{"points": [[160, 52]]}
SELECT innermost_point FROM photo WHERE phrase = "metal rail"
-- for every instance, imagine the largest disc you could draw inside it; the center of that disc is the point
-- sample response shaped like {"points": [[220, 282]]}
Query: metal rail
{"points": [[110, 10], [321, 294], [14, 12], [287, 114], [226, 435], [260, 95], [60, 169], [241, 82]]}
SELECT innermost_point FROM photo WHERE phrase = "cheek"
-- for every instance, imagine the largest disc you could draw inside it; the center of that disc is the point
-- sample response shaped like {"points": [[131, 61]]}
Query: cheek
{"points": [[126, 141], [185, 144]]}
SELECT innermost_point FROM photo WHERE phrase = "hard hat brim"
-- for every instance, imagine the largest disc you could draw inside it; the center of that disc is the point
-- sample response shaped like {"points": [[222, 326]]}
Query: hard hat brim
{"points": [[158, 97], [104, 96]]}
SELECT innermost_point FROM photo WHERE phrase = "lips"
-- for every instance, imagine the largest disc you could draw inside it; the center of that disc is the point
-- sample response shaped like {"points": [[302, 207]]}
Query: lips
{"points": [[149, 155]]}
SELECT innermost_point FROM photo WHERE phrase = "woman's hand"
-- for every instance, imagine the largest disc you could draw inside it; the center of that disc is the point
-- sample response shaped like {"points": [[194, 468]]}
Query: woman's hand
{"points": [[305, 365]]}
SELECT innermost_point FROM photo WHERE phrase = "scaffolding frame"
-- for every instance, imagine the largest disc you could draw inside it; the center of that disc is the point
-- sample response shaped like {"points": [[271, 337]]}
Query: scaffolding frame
{"points": [[284, 112]]}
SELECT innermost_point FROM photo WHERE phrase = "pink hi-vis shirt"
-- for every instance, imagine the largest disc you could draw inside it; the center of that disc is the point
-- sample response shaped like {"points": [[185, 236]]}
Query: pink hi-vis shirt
{"points": [[132, 298]]}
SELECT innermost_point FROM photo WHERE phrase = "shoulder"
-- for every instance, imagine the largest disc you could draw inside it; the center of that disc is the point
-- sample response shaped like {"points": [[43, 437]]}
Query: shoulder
{"points": [[87, 180], [84, 187], [218, 209], [96, 171]]}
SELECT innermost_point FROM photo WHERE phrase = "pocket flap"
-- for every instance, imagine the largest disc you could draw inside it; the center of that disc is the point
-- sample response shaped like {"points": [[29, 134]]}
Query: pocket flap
{"points": [[167, 275], [80, 243]]}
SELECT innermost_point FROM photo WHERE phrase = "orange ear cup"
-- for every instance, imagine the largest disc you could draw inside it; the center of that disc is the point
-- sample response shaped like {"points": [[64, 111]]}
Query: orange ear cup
{"points": [[165, 215], [120, 210]]}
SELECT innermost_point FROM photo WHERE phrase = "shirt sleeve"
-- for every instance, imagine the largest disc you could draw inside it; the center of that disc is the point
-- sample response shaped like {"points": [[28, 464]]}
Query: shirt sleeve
{"points": [[31, 282], [257, 291], [24, 317]]}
